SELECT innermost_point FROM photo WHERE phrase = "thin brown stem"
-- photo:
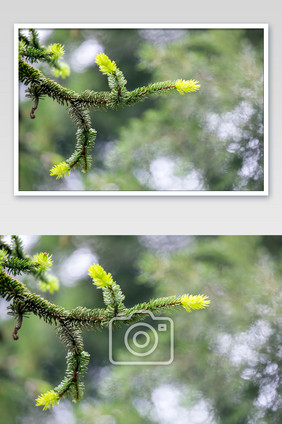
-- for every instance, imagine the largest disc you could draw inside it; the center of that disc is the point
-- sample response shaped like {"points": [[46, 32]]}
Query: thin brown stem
{"points": [[34, 107], [17, 327]]}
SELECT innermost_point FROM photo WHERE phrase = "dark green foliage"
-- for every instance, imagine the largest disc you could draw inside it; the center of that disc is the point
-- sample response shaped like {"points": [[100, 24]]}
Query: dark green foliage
{"points": [[76, 359], [16, 262], [76, 368]]}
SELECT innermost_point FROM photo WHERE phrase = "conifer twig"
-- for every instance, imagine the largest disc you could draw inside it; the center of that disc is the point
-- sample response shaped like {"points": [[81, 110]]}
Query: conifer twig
{"points": [[80, 104], [70, 323]]}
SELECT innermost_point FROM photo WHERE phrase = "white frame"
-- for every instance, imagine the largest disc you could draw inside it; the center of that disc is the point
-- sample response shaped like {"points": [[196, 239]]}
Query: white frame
{"points": [[166, 193]]}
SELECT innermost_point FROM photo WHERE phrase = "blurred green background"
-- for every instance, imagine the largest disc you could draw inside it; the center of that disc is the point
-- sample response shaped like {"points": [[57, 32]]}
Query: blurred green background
{"points": [[210, 140], [227, 365]]}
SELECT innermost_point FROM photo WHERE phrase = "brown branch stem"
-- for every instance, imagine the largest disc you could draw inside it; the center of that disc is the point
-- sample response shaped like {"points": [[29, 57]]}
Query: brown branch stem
{"points": [[34, 107], [17, 327]]}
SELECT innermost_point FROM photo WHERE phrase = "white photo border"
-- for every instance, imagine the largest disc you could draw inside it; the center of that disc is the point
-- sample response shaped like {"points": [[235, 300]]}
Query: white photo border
{"points": [[164, 193]]}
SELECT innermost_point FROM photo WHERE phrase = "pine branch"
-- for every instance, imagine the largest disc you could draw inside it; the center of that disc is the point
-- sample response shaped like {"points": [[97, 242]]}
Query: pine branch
{"points": [[70, 323], [18, 246], [77, 360], [11, 289], [30, 51], [15, 261]]}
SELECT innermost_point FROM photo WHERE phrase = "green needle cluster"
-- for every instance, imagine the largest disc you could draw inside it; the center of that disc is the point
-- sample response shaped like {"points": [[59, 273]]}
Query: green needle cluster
{"points": [[80, 105]]}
